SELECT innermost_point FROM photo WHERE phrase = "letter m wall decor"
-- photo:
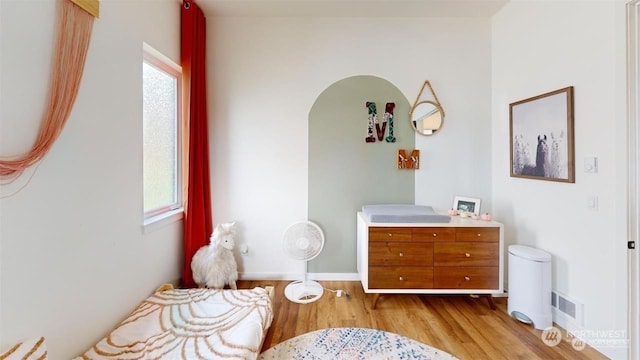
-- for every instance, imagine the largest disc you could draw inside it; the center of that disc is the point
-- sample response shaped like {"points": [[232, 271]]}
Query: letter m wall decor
{"points": [[380, 127]]}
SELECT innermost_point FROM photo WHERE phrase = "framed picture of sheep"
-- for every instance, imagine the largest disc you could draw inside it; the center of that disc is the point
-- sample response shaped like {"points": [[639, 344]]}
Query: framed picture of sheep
{"points": [[541, 132]]}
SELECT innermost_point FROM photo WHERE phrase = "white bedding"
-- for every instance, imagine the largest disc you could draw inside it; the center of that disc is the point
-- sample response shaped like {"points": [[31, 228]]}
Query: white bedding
{"points": [[191, 324]]}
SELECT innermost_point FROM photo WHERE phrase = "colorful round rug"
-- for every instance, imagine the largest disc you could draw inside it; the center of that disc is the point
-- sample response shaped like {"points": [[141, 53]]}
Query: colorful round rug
{"points": [[353, 343]]}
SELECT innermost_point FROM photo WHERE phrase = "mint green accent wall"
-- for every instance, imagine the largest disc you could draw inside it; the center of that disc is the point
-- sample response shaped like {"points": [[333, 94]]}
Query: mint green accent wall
{"points": [[345, 172]]}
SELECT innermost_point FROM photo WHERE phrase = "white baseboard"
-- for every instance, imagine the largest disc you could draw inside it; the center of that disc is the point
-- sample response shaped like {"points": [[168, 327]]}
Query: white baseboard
{"points": [[297, 276], [335, 276]]}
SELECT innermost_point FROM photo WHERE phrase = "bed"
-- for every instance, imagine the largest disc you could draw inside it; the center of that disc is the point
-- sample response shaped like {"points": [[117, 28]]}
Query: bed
{"points": [[191, 324]]}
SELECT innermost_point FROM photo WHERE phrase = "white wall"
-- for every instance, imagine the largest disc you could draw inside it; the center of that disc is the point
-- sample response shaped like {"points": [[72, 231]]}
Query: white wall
{"points": [[266, 73], [74, 258], [73, 252], [543, 46]]}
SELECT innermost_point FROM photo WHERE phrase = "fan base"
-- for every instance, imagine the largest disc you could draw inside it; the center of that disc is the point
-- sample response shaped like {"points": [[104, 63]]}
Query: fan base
{"points": [[304, 292]]}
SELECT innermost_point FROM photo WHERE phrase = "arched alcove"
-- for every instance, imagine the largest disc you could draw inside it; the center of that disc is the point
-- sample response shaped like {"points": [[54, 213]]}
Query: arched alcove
{"points": [[346, 172]]}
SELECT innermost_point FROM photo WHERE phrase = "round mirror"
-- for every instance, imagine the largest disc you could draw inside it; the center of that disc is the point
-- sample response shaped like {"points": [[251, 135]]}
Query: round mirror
{"points": [[426, 117]]}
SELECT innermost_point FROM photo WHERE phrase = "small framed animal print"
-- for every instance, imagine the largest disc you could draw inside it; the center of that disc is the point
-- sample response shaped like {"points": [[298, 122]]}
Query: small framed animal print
{"points": [[541, 131]]}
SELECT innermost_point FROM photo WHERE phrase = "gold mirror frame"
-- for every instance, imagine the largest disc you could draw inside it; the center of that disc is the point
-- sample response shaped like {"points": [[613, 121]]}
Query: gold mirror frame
{"points": [[426, 117]]}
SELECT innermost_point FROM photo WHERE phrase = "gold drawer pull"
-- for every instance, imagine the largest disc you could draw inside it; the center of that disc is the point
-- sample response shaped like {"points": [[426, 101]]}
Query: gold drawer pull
{"points": [[401, 254], [479, 234], [467, 254], [434, 234], [401, 279], [467, 278], [390, 234]]}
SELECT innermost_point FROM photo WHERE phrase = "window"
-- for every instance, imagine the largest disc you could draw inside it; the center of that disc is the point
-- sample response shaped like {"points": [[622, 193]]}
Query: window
{"points": [[162, 133]]}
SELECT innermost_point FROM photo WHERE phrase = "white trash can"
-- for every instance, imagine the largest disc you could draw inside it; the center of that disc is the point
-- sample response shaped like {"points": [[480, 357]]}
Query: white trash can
{"points": [[530, 286]]}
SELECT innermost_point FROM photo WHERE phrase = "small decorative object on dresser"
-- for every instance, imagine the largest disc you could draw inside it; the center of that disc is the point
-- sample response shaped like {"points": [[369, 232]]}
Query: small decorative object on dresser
{"points": [[466, 206], [486, 217], [214, 265]]}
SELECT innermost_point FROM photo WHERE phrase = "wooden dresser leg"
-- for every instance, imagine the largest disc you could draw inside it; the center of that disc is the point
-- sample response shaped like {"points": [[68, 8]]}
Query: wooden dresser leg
{"points": [[376, 296], [492, 305]]}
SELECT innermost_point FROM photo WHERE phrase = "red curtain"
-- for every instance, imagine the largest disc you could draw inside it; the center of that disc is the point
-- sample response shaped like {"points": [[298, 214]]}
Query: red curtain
{"points": [[197, 219]]}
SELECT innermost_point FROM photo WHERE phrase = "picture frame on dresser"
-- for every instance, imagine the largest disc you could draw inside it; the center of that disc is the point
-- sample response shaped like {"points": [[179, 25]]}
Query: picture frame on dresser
{"points": [[466, 204]]}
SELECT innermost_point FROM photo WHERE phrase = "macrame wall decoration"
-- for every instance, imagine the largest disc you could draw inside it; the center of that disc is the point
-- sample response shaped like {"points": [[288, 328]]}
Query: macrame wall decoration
{"points": [[73, 33], [408, 159], [380, 128]]}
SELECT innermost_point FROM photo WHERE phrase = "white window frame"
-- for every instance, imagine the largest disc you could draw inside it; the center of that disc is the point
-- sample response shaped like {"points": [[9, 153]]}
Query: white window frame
{"points": [[168, 214]]}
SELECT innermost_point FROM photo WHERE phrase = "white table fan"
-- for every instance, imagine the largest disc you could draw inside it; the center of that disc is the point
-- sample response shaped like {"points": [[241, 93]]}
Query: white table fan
{"points": [[304, 241]]}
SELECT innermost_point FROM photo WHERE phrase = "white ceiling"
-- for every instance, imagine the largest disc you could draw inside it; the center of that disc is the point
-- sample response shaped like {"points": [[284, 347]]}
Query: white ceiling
{"points": [[352, 8]]}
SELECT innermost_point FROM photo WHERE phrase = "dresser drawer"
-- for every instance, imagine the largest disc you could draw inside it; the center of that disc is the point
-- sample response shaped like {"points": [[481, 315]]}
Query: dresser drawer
{"points": [[400, 253], [466, 254], [490, 234], [466, 277], [434, 234], [400, 277], [389, 233]]}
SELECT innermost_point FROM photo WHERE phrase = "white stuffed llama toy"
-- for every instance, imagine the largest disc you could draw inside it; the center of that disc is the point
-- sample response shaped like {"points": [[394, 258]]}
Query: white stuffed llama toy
{"points": [[214, 265]]}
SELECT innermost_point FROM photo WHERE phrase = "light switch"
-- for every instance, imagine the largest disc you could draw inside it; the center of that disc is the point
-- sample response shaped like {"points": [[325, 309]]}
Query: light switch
{"points": [[592, 202], [591, 164]]}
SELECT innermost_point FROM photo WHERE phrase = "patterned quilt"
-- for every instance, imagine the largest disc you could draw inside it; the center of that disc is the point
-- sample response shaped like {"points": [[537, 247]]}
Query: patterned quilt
{"points": [[191, 324]]}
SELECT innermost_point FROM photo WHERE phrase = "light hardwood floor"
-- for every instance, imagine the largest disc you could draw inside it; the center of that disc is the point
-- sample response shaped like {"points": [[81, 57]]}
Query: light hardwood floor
{"points": [[463, 326]]}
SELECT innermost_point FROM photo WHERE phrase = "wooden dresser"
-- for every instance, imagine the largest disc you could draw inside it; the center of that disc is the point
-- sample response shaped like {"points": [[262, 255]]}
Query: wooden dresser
{"points": [[464, 256]]}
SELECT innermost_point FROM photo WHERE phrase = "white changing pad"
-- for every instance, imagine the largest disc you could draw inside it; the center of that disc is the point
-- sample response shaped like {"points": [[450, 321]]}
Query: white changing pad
{"points": [[403, 213]]}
